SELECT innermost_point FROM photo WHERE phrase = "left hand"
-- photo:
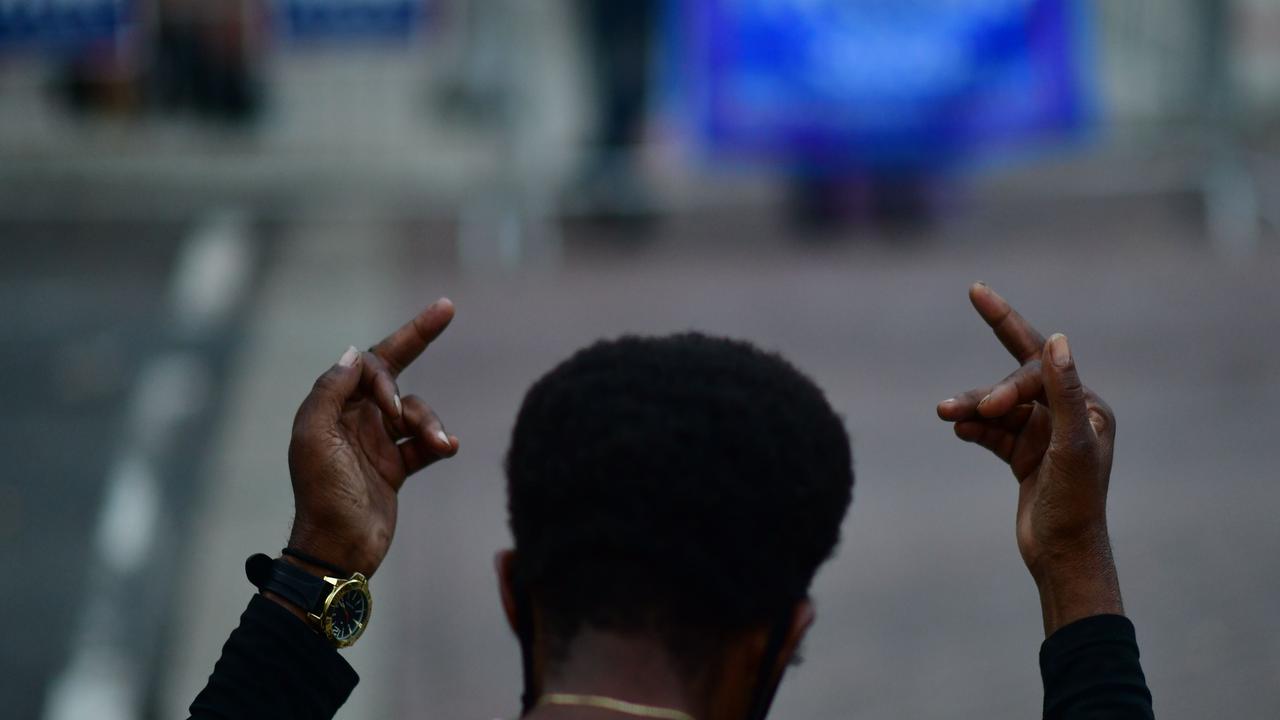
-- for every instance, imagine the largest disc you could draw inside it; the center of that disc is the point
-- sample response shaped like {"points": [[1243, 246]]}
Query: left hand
{"points": [[355, 441], [1058, 437]]}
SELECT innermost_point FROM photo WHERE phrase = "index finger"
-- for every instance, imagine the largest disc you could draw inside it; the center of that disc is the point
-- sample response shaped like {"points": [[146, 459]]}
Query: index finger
{"points": [[403, 346], [1014, 332]]}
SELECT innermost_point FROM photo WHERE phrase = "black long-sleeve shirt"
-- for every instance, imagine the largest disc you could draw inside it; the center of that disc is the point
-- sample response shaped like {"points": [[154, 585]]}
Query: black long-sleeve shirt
{"points": [[274, 666]]}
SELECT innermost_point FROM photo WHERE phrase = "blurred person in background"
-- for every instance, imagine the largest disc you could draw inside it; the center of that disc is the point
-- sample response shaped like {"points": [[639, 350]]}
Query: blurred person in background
{"points": [[830, 198], [671, 499], [207, 56], [620, 36], [100, 78], [99, 71], [187, 56]]}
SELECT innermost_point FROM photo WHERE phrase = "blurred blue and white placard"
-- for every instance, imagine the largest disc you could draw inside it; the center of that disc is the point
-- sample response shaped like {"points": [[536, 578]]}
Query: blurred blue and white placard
{"points": [[60, 22], [351, 19], [878, 82]]}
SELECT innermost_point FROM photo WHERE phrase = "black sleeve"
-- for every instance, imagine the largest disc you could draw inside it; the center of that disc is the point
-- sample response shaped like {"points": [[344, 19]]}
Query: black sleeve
{"points": [[1091, 671], [274, 666]]}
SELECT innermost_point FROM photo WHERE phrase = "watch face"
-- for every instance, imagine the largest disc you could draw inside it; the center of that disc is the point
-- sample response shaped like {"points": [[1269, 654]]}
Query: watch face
{"points": [[348, 614]]}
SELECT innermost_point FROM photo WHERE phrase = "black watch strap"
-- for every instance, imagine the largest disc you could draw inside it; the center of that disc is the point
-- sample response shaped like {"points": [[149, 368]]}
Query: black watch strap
{"points": [[292, 583]]}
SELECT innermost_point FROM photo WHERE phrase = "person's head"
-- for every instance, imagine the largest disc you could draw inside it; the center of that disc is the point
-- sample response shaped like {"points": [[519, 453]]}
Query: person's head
{"points": [[680, 489]]}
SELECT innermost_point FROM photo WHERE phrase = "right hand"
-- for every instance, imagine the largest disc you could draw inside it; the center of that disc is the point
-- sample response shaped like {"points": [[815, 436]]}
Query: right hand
{"points": [[1057, 437], [355, 442]]}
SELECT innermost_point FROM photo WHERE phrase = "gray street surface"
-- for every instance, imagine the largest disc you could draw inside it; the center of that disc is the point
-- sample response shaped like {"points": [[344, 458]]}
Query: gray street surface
{"points": [[926, 612], [116, 353], [69, 344]]}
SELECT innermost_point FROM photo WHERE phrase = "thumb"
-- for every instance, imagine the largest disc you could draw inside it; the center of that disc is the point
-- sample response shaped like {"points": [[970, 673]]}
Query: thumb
{"points": [[329, 395], [1066, 395]]}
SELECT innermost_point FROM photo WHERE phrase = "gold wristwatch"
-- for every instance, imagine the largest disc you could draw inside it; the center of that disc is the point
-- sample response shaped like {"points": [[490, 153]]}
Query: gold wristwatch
{"points": [[336, 607]]}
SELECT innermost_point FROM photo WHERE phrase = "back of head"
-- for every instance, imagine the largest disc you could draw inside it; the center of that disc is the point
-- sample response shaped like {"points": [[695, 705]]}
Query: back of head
{"points": [[686, 486]]}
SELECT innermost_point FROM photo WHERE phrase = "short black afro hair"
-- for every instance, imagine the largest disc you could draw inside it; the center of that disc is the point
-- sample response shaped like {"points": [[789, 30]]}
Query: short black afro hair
{"points": [[685, 485]]}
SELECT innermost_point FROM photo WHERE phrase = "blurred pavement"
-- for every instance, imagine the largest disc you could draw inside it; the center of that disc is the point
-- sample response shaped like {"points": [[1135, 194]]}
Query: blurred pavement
{"points": [[70, 358]]}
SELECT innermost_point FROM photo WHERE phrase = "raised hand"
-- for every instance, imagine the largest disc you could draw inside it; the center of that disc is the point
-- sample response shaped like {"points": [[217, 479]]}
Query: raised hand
{"points": [[355, 441], [1057, 437]]}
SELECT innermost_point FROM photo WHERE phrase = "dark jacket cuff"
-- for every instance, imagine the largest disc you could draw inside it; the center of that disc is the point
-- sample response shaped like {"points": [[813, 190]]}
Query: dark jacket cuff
{"points": [[1091, 670], [273, 665]]}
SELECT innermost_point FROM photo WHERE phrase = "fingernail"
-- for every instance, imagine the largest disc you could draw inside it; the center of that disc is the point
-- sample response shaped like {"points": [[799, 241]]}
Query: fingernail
{"points": [[399, 405], [349, 357], [1059, 350], [984, 399], [948, 401], [444, 439]]}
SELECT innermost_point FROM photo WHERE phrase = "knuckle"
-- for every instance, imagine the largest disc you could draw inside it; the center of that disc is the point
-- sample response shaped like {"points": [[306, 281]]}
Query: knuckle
{"points": [[1107, 411], [1101, 420], [1079, 447], [409, 410], [414, 407], [323, 383], [1100, 407], [299, 436], [375, 364], [384, 380], [1071, 392]]}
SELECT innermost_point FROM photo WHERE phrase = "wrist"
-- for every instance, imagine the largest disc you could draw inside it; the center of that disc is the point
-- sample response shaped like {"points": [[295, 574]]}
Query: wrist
{"points": [[334, 606], [1079, 553], [335, 553], [1078, 583]]}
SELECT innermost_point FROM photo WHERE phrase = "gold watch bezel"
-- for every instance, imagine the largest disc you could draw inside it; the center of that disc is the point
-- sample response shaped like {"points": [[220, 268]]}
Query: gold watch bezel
{"points": [[324, 621]]}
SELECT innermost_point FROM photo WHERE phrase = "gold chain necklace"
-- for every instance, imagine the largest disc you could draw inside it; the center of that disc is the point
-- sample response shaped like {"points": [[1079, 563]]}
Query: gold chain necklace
{"points": [[608, 703]]}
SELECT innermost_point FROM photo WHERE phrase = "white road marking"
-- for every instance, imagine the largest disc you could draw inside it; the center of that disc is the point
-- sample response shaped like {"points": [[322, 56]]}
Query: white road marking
{"points": [[170, 389], [212, 273], [102, 679], [98, 683], [128, 517]]}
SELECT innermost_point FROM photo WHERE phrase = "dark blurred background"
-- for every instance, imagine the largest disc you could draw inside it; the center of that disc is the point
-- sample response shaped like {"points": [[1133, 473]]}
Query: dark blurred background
{"points": [[202, 203]]}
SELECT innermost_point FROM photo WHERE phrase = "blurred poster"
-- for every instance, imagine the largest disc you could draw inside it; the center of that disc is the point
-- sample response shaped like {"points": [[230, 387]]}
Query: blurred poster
{"points": [[338, 19], [878, 83], [61, 22]]}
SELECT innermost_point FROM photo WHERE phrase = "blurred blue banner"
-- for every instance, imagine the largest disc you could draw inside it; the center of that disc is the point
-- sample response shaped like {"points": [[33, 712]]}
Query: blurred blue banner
{"points": [[338, 19], [878, 83], [60, 22]]}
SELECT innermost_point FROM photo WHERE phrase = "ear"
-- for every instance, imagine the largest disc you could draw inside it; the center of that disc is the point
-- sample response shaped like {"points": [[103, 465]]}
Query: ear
{"points": [[802, 618], [504, 562]]}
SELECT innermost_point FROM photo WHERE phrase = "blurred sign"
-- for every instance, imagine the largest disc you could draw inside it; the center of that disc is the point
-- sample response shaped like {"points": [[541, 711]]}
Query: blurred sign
{"points": [[59, 22], [351, 18], [852, 83]]}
